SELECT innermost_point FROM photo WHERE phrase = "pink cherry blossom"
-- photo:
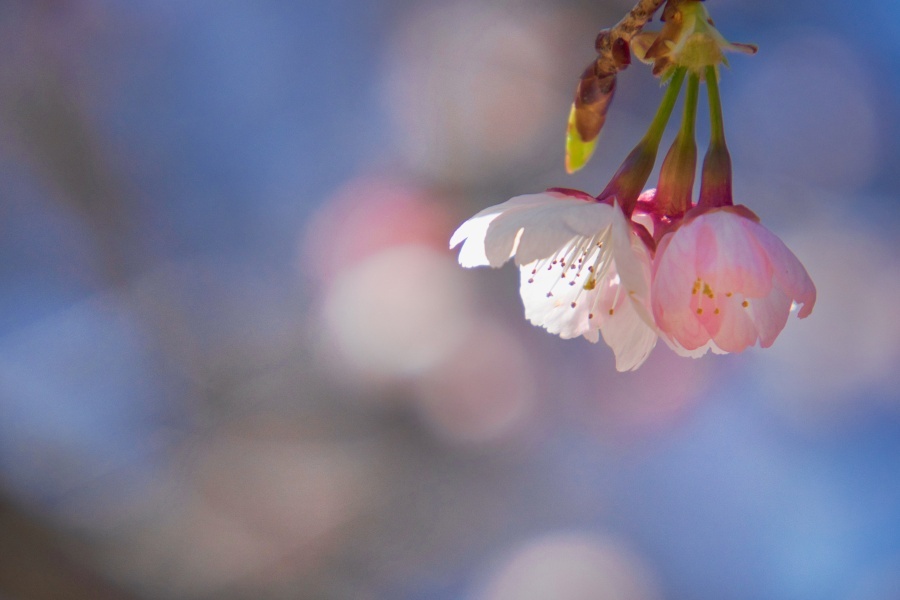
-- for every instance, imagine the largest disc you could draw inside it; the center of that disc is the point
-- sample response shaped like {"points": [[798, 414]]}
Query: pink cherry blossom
{"points": [[583, 270], [722, 281]]}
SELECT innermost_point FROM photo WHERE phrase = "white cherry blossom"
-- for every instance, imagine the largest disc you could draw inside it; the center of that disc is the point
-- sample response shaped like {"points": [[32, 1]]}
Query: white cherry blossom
{"points": [[584, 272]]}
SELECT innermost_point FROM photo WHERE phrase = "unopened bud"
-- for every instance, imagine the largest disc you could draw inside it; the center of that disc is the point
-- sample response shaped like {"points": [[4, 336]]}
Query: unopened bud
{"points": [[592, 99]]}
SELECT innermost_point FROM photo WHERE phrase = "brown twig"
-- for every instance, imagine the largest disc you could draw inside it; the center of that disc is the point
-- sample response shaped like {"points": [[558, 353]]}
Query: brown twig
{"points": [[608, 46], [597, 84]]}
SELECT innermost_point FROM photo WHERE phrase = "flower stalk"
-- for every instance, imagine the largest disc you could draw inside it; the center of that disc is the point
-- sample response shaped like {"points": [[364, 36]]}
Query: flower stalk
{"points": [[628, 182], [715, 183], [676, 177]]}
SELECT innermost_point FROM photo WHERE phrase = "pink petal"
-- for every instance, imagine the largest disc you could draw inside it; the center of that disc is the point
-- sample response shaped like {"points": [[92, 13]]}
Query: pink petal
{"points": [[788, 271], [674, 276], [770, 315], [737, 330], [737, 263]]}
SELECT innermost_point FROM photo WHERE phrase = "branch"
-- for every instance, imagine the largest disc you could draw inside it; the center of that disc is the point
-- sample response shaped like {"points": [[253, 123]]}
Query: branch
{"points": [[613, 53], [598, 82]]}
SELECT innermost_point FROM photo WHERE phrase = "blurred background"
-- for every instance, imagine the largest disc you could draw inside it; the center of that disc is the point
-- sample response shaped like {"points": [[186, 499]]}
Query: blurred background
{"points": [[237, 359]]}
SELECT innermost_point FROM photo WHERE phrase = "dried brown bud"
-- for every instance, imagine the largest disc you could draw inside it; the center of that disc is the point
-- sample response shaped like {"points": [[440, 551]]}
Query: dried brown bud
{"points": [[601, 41], [621, 53], [592, 100]]}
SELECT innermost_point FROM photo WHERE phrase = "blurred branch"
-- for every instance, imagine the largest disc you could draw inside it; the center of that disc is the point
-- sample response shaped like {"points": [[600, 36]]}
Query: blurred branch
{"points": [[35, 564]]}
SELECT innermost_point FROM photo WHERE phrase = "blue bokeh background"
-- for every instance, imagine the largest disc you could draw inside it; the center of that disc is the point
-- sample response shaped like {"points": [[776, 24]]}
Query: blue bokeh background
{"points": [[238, 361]]}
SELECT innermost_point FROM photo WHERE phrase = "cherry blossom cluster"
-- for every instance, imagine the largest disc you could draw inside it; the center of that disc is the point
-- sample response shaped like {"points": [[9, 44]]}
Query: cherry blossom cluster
{"points": [[632, 264]]}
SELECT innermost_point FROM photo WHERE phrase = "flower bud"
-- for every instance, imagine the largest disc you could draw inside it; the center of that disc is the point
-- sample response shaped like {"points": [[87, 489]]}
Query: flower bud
{"points": [[592, 99]]}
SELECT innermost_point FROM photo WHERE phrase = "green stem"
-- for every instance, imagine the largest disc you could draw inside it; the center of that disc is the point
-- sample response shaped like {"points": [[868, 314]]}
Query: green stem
{"points": [[676, 177], [658, 125], [629, 180], [689, 120], [716, 121]]}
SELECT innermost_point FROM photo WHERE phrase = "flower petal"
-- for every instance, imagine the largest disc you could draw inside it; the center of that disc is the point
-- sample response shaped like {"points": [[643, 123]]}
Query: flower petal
{"points": [[674, 276], [632, 264], [629, 336], [787, 269], [543, 228], [736, 329], [555, 312], [563, 298], [770, 315], [474, 231], [728, 257]]}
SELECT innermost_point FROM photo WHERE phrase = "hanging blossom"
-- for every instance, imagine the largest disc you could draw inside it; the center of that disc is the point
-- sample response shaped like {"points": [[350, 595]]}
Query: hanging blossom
{"points": [[632, 266], [722, 282], [583, 269]]}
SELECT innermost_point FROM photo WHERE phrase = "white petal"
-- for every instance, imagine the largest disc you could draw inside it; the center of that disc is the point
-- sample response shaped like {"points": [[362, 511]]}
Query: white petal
{"points": [[696, 353], [632, 260], [549, 291], [474, 231], [629, 336], [543, 228]]}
